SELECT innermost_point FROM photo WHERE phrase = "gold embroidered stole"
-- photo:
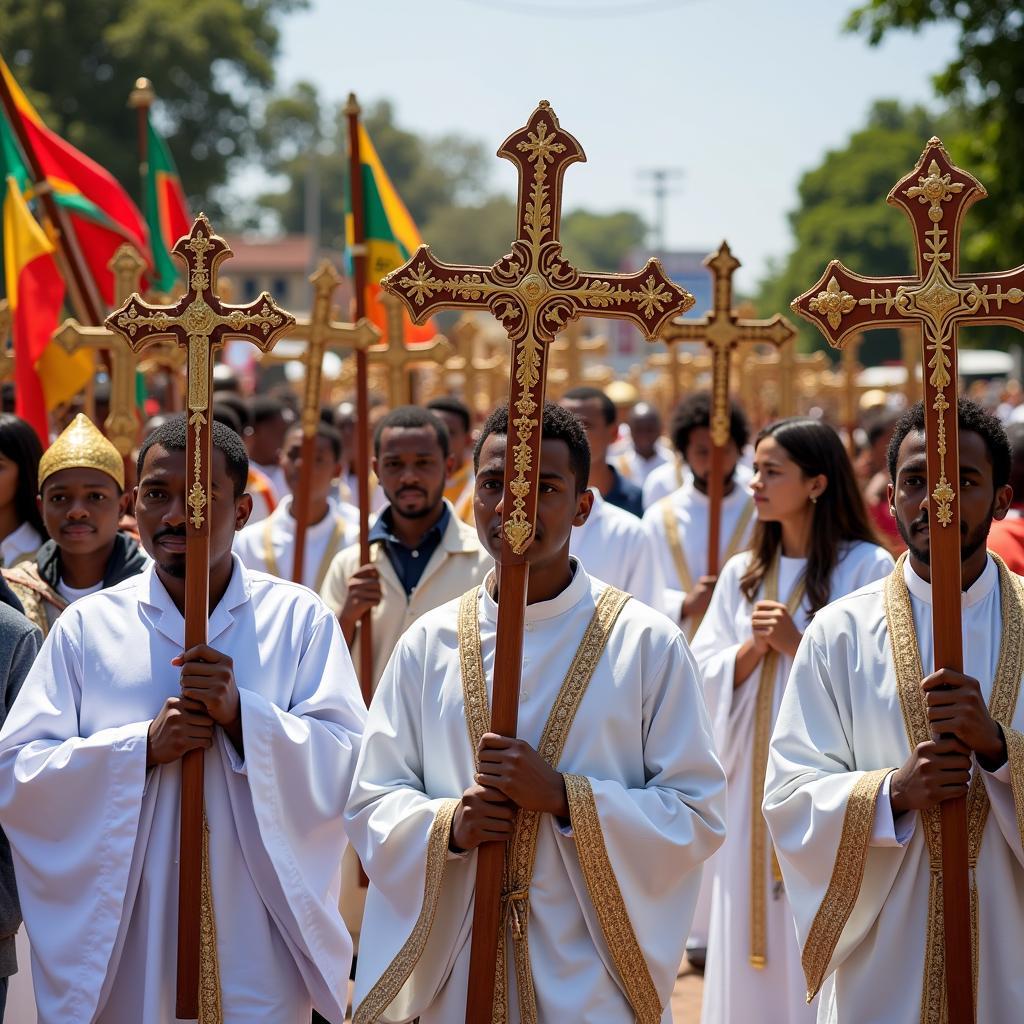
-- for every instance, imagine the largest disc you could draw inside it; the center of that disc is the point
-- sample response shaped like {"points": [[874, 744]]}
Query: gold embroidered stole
{"points": [[522, 850], [270, 559], [1002, 703], [759, 767], [210, 1008], [675, 547]]}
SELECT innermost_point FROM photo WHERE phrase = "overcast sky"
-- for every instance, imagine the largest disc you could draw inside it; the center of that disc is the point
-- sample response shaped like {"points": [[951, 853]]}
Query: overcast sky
{"points": [[742, 95]]}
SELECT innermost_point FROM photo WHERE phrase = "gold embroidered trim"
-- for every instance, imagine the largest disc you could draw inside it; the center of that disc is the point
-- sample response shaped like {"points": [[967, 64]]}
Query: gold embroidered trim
{"points": [[759, 766], [1015, 759], [325, 562], [210, 1008], [522, 850], [1002, 703], [847, 876], [606, 897], [390, 983]]}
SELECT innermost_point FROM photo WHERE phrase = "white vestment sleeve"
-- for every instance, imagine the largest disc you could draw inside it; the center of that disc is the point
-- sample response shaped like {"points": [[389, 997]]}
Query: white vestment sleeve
{"points": [[71, 807], [1005, 789], [288, 797], [820, 811], [419, 904], [641, 848]]}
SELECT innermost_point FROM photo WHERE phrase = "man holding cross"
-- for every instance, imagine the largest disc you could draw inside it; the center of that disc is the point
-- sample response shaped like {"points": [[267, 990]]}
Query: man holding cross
{"points": [[854, 786], [96, 738], [620, 797]]}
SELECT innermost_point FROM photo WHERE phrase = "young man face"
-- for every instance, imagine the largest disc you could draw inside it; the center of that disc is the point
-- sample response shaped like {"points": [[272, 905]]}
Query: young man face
{"points": [[458, 437], [81, 508], [560, 506], [645, 429], [160, 509], [265, 440], [600, 433], [698, 455], [412, 469], [980, 500], [326, 466]]}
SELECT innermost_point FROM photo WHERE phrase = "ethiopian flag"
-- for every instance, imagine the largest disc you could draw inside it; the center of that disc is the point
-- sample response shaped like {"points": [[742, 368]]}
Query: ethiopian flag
{"points": [[44, 374], [102, 213], [167, 215], [391, 235]]}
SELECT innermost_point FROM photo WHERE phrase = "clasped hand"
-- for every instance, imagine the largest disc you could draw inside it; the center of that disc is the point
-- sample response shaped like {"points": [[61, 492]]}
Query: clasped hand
{"points": [[773, 628], [512, 776], [209, 696]]}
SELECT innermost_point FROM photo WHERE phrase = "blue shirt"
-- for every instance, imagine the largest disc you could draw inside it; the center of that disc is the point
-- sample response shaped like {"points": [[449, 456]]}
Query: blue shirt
{"points": [[625, 494], [408, 563]]}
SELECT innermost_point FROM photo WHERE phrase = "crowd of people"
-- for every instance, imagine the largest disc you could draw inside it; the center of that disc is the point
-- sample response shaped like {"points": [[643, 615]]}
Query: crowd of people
{"points": [[741, 766]]}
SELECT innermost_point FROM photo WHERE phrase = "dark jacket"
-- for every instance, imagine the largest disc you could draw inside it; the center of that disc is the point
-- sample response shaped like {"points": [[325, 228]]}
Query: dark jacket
{"points": [[19, 644], [126, 560]]}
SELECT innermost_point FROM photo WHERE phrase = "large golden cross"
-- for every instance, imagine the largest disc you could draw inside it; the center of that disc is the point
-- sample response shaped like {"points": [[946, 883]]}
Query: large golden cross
{"points": [[534, 291], [321, 334], [935, 300], [200, 323], [398, 359], [6, 347], [722, 330], [122, 423]]}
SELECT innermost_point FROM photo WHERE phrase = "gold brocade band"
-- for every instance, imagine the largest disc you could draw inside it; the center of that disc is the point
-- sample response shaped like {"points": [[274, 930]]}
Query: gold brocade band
{"points": [[522, 850], [1002, 703], [759, 765], [844, 884], [606, 896], [210, 1009], [390, 983], [325, 563]]}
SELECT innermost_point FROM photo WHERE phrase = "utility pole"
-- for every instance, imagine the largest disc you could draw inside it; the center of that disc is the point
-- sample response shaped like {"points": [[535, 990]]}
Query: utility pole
{"points": [[662, 183]]}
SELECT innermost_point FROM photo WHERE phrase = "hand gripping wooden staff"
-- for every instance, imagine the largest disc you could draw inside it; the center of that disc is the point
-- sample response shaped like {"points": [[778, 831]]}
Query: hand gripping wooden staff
{"points": [[200, 323], [935, 301], [534, 291]]}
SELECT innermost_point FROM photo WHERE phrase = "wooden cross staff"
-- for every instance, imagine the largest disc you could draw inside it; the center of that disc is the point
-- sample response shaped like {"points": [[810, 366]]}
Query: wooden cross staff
{"points": [[321, 333], [851, 397], [722, 330], [935, 301], [200, 323], [398, 358], [122, 423], [534, 291]]}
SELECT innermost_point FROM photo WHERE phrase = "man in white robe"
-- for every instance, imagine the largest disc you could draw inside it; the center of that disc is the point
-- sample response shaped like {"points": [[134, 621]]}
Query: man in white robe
{"points": [[90, 778], [858, 769], [620, 837], [269, 546], [614, 547], [641, 451]]}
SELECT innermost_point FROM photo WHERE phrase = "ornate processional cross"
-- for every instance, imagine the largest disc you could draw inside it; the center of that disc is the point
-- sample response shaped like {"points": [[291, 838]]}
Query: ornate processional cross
{"points": [[200, 323], [935, 301], [121, 424], [722, 330], [398, 358], [534, 291]]}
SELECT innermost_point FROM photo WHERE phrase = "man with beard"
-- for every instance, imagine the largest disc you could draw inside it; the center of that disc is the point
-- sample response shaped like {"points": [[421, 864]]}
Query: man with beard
{"points": [[421, 556], [854, 786], [607, 829], [81, 499], [96, 736]]}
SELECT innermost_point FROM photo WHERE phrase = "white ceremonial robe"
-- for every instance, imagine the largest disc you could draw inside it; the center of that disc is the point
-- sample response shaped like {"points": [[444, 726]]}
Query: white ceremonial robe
{"points": [[97, 872], [642, 739], [335, 532], [841, 718], [734, 991], [692, 510], [613, 546], [633, 466]]}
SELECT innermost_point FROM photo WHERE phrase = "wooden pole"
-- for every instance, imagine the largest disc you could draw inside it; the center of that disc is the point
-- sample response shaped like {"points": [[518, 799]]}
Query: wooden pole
{"points": [[140, 100]]}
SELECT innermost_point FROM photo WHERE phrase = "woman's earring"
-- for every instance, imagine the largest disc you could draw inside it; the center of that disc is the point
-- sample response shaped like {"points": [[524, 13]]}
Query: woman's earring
{"points": [[814, 499]]}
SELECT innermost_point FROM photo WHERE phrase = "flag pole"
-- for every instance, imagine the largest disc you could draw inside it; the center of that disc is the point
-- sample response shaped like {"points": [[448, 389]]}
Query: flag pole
{"points": [[84, 294], [140, 99]]}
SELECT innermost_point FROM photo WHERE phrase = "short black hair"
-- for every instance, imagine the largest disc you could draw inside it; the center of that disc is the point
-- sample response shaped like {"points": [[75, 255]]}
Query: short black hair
{"points": [[263, 408], [412, 417], [228, 415], [449, 403], [970, 418], [586, 393], [171, 436], [880, 425], [20, 444], [694, 412], [558, 424], [237, 404], [327, 431]]}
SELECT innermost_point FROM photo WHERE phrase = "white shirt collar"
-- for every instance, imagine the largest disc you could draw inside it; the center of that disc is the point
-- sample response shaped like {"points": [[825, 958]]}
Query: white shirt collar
{"points": [[976, 593], [20, 542], [283, 517], [689, 495], [577, 590]]}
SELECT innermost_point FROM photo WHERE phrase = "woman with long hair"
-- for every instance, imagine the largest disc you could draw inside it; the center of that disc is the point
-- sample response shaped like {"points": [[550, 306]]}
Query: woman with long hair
{"points": [[21, 525], [812, 544]]}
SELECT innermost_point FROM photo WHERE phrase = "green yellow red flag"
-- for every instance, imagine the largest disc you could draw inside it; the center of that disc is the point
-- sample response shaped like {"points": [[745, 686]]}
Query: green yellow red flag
{"points": [[101, 211], [166, 208], [391, 235], [44, 374]]}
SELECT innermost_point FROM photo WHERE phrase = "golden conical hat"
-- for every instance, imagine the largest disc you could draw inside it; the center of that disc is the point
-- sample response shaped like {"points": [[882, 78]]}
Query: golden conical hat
{"points": [[82, 446]]}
